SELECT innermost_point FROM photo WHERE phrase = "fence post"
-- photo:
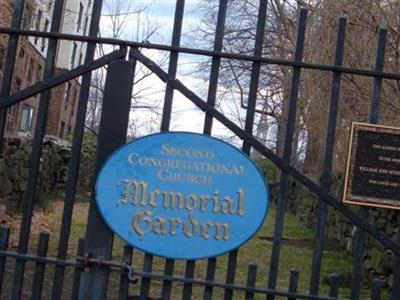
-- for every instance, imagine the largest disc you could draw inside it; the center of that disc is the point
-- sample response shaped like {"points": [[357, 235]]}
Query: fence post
{"points": [[112, 134], [4, 237]]}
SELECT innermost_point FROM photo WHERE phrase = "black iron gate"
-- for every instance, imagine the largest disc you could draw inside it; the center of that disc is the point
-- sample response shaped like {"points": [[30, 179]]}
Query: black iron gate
{"points": [[92, 265]]}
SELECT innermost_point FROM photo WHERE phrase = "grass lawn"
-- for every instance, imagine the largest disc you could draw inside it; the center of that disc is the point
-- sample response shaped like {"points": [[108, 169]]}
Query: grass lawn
{"points": [[296, 252]]}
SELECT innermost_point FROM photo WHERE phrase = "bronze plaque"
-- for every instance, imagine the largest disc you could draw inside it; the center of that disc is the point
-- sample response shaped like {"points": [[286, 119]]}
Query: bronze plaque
{"points": [[373, 166]]}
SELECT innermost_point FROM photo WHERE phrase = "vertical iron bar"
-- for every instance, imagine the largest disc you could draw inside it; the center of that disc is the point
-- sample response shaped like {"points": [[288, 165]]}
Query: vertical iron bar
{"points": [[396, 268], [189, 273], [376, 289], [77, 272], [251, 280], [73, 167], [293, 282], [215, 64], [290, 126], [30, 191], [364, 211], [255, 73], [4, 237], [327, 167], [145, 286], [167, 284], [380, 59], [112, 134], [167, 110], [211, 266], [124, 279], [38, 277], [230, 273], [173, 64], [9, 64], [335, 284]]}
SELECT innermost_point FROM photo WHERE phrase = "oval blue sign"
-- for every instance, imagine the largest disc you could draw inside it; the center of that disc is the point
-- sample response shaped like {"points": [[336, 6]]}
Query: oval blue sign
{"points": [[182, 195]]}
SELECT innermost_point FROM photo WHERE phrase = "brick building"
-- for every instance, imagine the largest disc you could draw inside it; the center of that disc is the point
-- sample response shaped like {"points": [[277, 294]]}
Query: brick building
{"points": [[29, 66], [62, 108], [27, 70]]}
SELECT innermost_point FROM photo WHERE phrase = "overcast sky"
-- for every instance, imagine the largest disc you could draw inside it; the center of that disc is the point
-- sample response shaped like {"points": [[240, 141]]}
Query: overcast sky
{"points": [[160, 15]]}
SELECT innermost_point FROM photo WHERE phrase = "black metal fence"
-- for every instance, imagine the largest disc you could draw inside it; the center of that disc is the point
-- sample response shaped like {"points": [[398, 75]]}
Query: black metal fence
{"points": [[90, 270]]}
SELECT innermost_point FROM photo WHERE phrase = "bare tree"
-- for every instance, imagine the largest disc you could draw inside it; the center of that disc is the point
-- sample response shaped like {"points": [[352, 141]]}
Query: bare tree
{"points": [[124, 20], [279, 42], [239, 37]]}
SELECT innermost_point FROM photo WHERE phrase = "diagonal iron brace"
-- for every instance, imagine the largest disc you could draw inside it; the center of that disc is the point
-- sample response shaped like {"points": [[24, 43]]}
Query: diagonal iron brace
{"points": [[59, 79], [383, 238]]}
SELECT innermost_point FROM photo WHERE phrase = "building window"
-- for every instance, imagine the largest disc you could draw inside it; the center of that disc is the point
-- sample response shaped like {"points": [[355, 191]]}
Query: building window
{"points": [[46, 25], [26, 63], [85, 26], [73, 56], [26, 118], [39, 73], [76, 97], [21, 53], [17, 85], [62, 128], [37, 25], [80, 58], [46, 28], [30, 71], [80, 16], [67, 91], [11, 110], [43, 45]]}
